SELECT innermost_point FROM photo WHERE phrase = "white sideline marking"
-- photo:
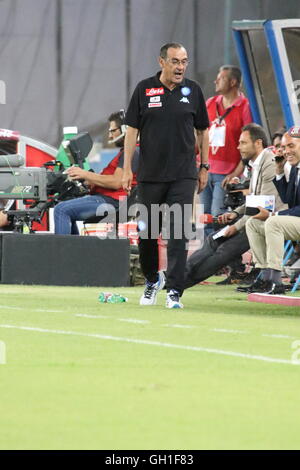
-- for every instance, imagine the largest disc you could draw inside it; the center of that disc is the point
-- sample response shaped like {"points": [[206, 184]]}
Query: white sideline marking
{"points": [[221, 330], [129, 320], [49, 311], [84, 315], [11, 308], [134, 320], [180, 326], [154, 343], [217, 330], [280, 336], [32, 309]]}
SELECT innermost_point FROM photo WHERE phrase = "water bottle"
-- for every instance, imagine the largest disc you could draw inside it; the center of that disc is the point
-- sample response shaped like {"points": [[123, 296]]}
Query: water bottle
{"points": [[103, 296], [110, 298], [116, 299]]}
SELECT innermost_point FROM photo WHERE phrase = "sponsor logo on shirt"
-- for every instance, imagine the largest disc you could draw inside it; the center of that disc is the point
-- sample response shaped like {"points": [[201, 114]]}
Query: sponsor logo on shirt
{"points": [[155, 91], [154, 99], [184, 100], [154, 105]]}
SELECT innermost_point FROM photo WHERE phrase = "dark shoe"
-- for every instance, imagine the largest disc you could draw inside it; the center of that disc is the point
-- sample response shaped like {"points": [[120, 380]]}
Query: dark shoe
{"points": [[227, 281], [235, 278], [273, 289], [257, 286]]}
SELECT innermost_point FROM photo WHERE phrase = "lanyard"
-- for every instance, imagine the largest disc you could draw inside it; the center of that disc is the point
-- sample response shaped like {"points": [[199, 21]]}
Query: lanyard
{"points": [[220, 118]]}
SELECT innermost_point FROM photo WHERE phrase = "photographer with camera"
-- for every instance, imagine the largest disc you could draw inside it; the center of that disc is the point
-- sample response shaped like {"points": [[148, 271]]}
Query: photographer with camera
{"points": [[105, 188], [219, 251]]}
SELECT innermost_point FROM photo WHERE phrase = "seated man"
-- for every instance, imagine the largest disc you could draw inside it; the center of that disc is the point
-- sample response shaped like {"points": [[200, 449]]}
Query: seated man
{"points": [[219, 252], [266, 234], [105, 188]]}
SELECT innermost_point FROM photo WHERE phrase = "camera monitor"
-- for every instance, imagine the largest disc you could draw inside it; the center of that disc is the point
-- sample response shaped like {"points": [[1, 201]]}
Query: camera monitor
{"points": [[78, 148]]}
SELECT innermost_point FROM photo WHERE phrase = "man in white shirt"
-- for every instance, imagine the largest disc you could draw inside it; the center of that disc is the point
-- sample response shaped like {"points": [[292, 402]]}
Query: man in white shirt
{"points": [[267, 231], [218, 252]]}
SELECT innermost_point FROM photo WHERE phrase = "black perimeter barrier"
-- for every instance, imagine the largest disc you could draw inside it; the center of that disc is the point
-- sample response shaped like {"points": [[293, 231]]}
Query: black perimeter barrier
{"points": [[63, 260]]}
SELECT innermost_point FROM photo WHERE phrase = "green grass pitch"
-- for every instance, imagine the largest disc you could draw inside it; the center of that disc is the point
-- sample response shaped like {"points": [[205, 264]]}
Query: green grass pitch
{"points": [[77, 374]]}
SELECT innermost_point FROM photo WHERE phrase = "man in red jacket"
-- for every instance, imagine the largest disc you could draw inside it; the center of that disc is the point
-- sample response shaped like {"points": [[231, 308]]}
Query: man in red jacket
{"points": [[228, 113], [105, 188]]}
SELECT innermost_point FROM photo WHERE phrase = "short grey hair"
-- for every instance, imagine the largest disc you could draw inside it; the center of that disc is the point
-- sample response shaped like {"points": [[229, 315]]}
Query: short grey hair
{"points": [[234, 72], [164, 49]]}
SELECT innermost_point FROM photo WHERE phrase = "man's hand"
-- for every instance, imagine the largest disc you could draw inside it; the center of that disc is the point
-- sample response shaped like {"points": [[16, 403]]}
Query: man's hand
{"points": [[230, 179], [280, 166], [263, 214], [232, 176], [127, 180], [77, 173], [223, 219], [202, 179], [230, 231]]}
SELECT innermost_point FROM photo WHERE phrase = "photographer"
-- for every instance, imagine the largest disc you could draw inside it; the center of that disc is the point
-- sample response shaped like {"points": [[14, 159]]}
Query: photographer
{"points": [[105, 188], [221, 251]]}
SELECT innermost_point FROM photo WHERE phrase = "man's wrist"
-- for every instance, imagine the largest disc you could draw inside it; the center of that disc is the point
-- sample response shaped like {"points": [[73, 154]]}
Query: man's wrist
{"points": [[205, 166]]}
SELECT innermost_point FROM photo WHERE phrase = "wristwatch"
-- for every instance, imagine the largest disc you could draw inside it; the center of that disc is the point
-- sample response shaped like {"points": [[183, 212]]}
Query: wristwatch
{"points": [[205, 165]]}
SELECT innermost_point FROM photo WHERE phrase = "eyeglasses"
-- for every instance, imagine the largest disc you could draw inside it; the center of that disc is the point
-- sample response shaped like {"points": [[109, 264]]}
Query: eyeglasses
{"points": [[110, 131], [183, 62]]}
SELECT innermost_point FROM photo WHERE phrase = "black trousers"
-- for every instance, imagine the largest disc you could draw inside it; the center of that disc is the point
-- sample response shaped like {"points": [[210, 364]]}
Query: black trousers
{"points": [[213, 255], [177, 195]]}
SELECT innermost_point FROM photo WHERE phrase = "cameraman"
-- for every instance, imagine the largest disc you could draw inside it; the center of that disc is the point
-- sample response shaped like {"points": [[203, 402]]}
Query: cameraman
{"points": [[105, 188], [219, 252]]}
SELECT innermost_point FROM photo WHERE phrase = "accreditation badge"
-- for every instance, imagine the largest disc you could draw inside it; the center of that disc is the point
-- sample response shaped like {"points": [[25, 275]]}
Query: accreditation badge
{"points": [[217, 134]]}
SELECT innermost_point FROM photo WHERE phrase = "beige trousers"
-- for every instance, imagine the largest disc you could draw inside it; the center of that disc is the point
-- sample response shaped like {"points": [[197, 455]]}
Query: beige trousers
{"points": [[267, 239]]}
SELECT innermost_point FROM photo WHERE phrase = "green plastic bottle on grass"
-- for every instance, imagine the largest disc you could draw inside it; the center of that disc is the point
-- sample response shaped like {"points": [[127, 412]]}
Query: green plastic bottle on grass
{"points": [[110, 298]]}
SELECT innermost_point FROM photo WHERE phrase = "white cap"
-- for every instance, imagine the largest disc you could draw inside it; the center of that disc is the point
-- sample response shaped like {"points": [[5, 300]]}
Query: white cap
{"points": [[70, 130]]}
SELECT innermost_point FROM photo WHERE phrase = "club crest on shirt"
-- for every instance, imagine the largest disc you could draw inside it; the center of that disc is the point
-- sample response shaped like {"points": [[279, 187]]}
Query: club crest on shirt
{"points": [[155, 91], [185, 91], [184, 100]]}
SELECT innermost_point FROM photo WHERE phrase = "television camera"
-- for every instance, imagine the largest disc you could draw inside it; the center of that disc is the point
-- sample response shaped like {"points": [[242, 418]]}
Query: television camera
{"points": [[41, 188], [234, 196]]}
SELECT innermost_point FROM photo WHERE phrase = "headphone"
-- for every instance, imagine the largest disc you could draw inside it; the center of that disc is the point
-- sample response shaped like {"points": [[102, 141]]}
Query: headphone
{"points": [[123, 127]]}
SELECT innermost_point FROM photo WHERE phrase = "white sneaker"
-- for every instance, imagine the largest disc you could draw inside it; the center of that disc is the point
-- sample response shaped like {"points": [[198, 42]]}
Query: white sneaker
{"points": [[151, 290], [173, 300]]}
